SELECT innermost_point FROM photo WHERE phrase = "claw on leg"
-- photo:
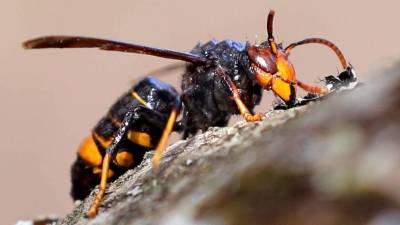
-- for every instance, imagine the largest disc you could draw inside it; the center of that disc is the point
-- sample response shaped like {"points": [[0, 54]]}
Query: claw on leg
{"points": [[252, 118]]}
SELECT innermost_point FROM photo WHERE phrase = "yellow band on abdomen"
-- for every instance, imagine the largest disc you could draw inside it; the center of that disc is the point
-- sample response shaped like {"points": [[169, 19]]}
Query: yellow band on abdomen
{"points": [[140, 138], [89, 152]]}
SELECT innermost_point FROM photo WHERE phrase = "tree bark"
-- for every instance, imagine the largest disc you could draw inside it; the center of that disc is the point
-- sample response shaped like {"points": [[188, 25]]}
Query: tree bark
{"points": [[336, 161]]}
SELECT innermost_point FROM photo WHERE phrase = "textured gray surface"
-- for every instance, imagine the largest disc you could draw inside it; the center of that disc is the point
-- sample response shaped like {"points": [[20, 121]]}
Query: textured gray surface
{"points": [[331, 162]]}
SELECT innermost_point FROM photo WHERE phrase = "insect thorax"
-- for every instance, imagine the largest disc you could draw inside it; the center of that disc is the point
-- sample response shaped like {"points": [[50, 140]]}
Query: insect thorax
{"points": [[206, 96]]}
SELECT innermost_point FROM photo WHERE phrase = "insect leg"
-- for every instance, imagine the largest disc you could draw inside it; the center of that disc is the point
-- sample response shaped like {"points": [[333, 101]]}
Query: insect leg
{"points": [[169, 127], [110, 153], [130, 116], [244, 111], [166, 132]]}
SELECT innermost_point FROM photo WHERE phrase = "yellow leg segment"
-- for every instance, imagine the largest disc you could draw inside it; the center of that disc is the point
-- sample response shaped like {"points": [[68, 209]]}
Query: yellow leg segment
{"points": [[163, 140], [244, 111], [102, 188]]}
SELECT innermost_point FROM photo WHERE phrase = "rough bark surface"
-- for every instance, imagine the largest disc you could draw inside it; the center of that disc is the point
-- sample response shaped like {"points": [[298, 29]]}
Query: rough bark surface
{"points": [[331, 162]]}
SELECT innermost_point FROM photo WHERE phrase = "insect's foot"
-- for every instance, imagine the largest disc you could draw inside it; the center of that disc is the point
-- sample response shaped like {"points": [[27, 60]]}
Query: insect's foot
{"points": [[92, 212], [252, 118], [94, 208], [156, 163]]}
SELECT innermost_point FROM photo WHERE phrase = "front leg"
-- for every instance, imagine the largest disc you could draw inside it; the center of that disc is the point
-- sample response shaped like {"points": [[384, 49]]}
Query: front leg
{"points": [[244, 111]]}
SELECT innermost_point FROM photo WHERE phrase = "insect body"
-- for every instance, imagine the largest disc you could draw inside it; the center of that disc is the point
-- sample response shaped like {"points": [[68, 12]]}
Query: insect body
{"points": [[221, 79]]}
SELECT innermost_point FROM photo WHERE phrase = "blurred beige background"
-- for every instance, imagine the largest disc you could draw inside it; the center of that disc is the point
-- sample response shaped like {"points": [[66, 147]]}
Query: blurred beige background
{"points": [[50, 99]]}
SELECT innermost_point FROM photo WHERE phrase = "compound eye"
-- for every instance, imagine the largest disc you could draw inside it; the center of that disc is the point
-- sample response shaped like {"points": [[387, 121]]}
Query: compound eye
{"points": [[263, 58], [261, 62], [263, 78]]}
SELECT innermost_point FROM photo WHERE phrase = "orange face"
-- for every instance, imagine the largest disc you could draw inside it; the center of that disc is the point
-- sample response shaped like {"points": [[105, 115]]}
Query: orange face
{"points": [[273, 71], [285, 68]]}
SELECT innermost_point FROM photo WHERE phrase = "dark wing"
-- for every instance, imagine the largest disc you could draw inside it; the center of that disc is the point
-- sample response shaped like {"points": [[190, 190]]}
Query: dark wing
{"points": [[87, 42]]}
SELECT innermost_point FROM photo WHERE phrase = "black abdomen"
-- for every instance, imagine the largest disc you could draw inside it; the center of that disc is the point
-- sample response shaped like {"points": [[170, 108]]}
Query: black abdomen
{"points": [[151, 101]]}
